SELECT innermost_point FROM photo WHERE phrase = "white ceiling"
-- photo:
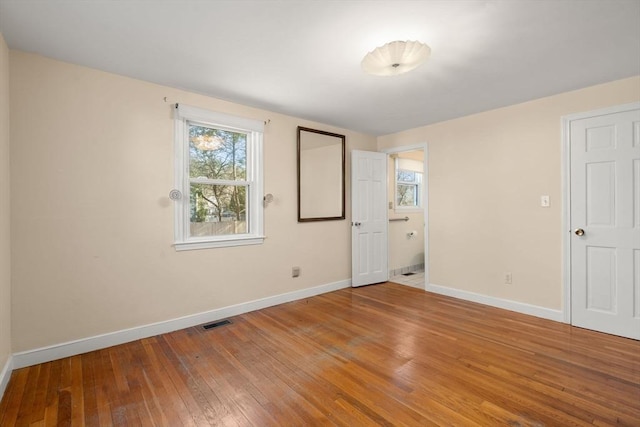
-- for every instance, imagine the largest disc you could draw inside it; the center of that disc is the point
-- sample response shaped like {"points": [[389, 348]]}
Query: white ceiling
{"points": [[302, 58]]}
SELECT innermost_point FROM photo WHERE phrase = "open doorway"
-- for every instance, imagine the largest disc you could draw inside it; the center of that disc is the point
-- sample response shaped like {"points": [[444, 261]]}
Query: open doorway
{"points": [[407, 212]]}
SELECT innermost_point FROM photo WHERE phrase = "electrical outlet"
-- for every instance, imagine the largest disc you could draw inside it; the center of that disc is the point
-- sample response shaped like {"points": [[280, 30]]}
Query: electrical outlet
{"points": [[295, 272], [508, 279]]}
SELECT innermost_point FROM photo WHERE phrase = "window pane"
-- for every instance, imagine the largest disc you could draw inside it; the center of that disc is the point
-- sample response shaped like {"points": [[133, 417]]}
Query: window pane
{"points": [[407, 195], [218, 210], [407, 176], [217, 153]]}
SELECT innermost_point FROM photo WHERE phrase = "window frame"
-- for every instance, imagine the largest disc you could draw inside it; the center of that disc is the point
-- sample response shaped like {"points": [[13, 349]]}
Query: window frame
{"points": [[183, 116], [418, 192]]}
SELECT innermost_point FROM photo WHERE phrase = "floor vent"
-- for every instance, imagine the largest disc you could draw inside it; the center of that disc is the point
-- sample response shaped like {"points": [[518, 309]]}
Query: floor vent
{"points": [[408, 274], [216, 324]]}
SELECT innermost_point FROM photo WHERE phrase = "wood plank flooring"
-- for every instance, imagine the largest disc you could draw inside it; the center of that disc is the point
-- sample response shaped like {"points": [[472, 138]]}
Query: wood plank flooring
{"points": [[378, 355]]}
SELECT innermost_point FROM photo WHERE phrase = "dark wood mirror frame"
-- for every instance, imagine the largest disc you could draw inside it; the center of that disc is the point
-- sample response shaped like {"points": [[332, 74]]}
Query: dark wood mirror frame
{"points": [[321, 168]]}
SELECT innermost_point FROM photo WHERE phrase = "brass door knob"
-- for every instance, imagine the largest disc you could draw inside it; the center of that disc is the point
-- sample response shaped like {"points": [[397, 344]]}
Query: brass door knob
{"points": [[579, 232]]}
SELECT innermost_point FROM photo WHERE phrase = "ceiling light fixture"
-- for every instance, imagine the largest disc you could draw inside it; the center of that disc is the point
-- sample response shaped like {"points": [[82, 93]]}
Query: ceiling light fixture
{"points": [[395, 58]]}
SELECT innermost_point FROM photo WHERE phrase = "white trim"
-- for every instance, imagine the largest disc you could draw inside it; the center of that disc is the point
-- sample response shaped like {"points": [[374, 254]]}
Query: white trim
{"points": [[230, 241], [566, 195], [5, 375], [425, 197], [189, 112], [183, 114], [565, 211], [602, 111], [518, 307], [72, 348]]}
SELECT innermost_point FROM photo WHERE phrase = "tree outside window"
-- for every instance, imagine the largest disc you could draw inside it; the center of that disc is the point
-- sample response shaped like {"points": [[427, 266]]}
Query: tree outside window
{"points": [[218, 181], [408, 188]]}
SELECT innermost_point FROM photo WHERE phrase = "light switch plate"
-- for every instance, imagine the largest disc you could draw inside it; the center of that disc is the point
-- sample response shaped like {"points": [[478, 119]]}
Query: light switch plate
{"points": [[544, 201]]}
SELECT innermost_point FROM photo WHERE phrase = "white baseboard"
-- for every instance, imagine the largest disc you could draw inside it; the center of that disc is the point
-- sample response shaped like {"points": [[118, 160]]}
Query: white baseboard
{"points": [[519, 307], [5, 375], [72, 348]]}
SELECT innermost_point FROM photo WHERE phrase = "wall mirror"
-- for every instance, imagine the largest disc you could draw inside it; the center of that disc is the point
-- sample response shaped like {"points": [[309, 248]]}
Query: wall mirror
{"points": [[321, 180]]}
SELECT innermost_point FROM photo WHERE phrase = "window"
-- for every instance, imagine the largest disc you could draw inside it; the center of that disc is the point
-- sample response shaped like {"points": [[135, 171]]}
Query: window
{"points": [[219, 173], [408, 184]]}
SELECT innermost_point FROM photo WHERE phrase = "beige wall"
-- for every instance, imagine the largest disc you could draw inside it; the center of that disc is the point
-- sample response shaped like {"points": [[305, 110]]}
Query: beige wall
{"points": [[91, 219], [92, 226], [486, 175], [5, 243]]}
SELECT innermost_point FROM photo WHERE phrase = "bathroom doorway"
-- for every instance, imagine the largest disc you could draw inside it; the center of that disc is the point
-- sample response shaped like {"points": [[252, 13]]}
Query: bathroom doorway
{"points": [[408, 206]]}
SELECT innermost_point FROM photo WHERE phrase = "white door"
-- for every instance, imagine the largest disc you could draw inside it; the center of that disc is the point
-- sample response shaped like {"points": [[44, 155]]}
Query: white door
{"points": [[368, 218], [605, 222]]}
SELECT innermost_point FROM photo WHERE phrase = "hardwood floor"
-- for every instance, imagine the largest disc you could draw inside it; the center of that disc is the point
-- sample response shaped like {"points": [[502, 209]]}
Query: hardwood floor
{"points": [[378, 355]]}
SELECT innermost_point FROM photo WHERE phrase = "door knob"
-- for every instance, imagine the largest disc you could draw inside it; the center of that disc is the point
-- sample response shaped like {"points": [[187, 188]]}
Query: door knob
{"points": [[579, 232], [357, 224]]}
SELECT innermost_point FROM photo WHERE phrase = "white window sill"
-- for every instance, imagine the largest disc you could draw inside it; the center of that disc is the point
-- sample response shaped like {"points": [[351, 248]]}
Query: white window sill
{"points": [[229, 242]]}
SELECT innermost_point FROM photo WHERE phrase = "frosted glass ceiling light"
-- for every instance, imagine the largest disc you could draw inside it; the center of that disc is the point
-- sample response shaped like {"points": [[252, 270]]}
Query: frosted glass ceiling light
{"points": [[395, 58]]}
